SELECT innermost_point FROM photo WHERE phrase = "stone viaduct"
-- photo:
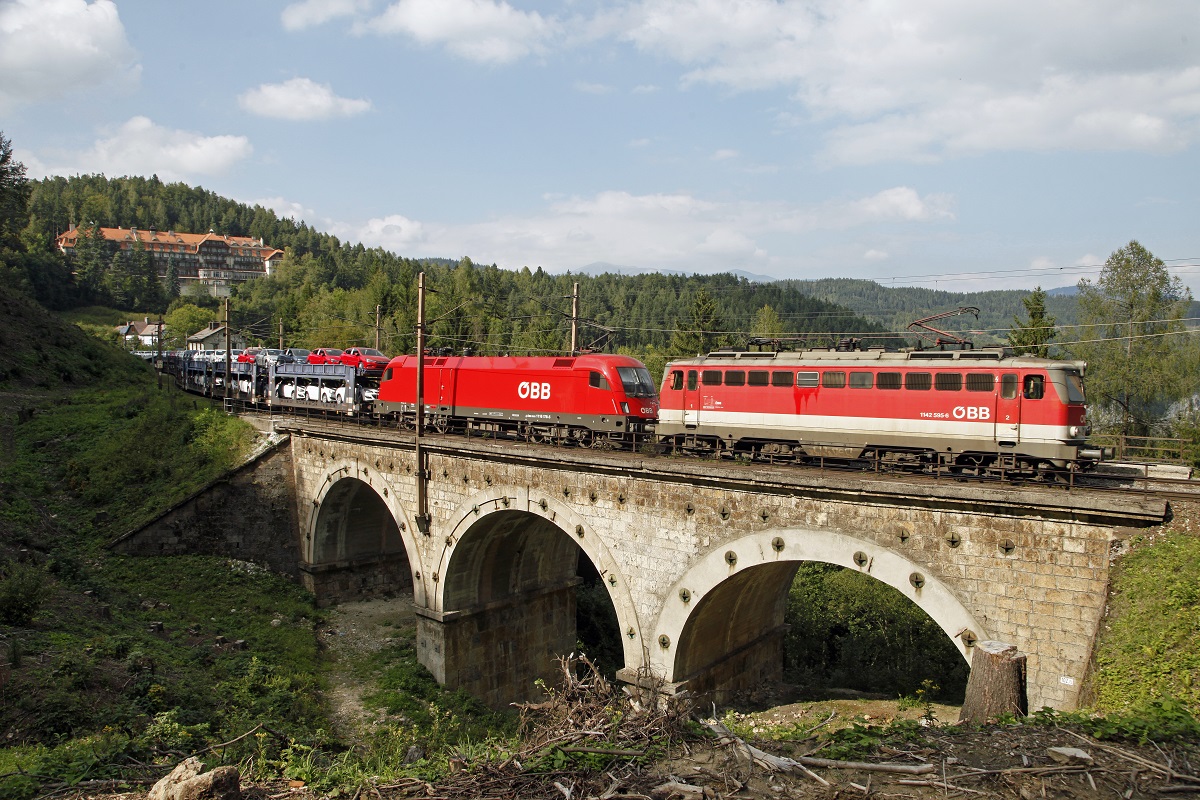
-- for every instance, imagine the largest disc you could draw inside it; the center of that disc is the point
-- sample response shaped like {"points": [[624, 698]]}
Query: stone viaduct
{"points": [[697, 555]]}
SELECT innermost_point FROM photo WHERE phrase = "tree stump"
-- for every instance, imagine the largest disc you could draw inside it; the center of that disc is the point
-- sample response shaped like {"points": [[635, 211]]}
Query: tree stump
{"points": [[996, 685]]}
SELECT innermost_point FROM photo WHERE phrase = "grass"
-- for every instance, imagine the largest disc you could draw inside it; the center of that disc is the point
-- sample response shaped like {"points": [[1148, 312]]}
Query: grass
{"points": [[1148, 649]]}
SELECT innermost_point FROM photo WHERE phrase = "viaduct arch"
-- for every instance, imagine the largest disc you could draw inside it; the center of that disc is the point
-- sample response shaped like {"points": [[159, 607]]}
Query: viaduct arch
{"points": [[696, 556]]}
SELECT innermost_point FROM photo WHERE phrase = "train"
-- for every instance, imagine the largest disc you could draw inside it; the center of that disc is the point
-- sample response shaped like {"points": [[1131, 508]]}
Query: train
{"points": [[963, 411], [966, 411]]}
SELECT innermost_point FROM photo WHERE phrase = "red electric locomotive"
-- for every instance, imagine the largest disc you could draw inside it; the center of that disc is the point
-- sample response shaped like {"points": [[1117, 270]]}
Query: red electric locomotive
{"points": [[589, 400], [967, 410]]}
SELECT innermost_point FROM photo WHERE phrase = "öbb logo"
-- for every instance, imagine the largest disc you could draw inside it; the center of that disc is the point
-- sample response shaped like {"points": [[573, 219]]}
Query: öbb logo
{"points": [[972, 412], [532, 390]]}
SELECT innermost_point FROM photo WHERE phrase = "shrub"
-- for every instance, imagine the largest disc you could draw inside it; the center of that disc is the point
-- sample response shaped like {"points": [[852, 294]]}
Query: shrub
{"points": [[22, 591]]}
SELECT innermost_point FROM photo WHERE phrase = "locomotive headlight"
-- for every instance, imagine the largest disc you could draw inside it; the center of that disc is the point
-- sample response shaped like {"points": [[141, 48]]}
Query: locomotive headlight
{"points": [[624, 408], [1078, 431]]}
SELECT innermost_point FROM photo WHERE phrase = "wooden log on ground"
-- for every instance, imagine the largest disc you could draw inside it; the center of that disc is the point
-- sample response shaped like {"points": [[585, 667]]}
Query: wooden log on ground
{"points": [[996, 685]]}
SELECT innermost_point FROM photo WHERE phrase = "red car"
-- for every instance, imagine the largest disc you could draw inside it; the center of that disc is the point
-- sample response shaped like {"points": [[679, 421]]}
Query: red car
{"points": [[325, 355], [365, 359], [248, 355]]}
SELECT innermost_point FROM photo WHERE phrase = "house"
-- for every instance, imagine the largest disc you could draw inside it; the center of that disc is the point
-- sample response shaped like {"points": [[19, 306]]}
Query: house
{"points": [[141, 335], [213, 338], [207, 259]]}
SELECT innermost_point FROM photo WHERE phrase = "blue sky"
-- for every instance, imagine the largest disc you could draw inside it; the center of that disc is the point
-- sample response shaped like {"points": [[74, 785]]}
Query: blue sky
{"points": [[957, 145]]}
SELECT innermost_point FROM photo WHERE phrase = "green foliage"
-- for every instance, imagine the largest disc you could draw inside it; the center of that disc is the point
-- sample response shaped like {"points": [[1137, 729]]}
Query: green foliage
{"points": [[850, 630], [1149, 643], [22, 590], [1133, 315], [1158, 720], [1033, 335], [864, 738]]}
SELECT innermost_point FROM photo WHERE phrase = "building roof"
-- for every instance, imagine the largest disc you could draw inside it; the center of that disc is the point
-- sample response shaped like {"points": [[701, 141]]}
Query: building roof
{"points": [[189, 242]]}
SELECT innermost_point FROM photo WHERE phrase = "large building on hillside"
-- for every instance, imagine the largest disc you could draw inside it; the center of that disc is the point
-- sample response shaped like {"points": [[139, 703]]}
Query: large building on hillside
{"points": [[208, 259]]}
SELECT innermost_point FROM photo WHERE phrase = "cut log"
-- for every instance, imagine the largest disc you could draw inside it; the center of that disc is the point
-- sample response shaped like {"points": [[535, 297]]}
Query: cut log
{"points": [[996, 685]]}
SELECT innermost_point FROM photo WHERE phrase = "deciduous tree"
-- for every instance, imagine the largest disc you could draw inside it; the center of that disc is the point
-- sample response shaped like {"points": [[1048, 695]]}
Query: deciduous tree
{"points": [[1139, 356]]}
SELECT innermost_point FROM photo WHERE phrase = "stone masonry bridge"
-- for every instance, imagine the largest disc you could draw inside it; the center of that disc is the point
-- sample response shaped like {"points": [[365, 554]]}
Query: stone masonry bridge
{"points": [[697, 555]]}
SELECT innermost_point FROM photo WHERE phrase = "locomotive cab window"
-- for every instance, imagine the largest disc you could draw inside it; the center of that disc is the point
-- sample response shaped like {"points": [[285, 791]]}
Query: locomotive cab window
{"points": [[735, 377], [1008, 386], [711, 377], [781, 378], [807, 380], [1035, 387], [597, 380], [947, 381], [636, 381], [862, 380], [387, 374], [833, 380], [676, 380], [1074, 387], [758, 377]]}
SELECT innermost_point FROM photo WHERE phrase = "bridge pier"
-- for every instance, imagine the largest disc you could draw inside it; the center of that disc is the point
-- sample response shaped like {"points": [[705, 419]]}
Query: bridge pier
{"points": [[497, 651]]}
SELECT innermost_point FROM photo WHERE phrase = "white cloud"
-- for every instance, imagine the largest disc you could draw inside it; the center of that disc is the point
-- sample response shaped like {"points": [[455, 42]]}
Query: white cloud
{"points": [[875, 255], [662, 231], [285, 209], [300, 99], [139, 147], [928, 79], [592, 88], [310, 13], [479, 30], [51, 47]]}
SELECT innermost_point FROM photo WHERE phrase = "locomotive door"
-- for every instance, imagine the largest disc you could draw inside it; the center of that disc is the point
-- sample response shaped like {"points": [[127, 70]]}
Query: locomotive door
{"points": [[1008, 409], [691, 400]]}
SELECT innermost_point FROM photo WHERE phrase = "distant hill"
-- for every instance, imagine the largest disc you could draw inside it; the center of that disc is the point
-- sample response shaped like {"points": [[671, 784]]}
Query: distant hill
{"points": [[896, 307]]}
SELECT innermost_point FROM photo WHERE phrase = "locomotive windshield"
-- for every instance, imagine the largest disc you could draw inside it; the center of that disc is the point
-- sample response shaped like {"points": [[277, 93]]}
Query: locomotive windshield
{"points": [[1074, 388], [636, 381]]}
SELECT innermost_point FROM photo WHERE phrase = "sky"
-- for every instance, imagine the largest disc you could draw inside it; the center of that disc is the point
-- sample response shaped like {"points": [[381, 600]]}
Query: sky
{"points": [[939, 143]]}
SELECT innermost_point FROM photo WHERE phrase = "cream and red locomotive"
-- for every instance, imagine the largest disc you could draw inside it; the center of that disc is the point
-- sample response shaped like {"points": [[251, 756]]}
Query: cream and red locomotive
{"points": [[964, 410]]}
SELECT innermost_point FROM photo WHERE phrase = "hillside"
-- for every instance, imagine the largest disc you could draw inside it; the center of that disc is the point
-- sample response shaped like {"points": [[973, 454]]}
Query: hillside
{"points": [[894, 307]]}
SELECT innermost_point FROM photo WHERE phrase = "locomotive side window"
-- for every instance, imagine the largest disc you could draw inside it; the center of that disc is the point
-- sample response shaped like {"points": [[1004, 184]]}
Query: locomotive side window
{"points": [[980, 382], [918, 381], [1008, 386], [807, 380], [759, 378], [735, 377], [676, 380], [711, 377], [781, 378], [888, 380], [691, 380], [862, 380], [1035, 387], [947, 381], [387, 374], [597, 381], [833, 380]]}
